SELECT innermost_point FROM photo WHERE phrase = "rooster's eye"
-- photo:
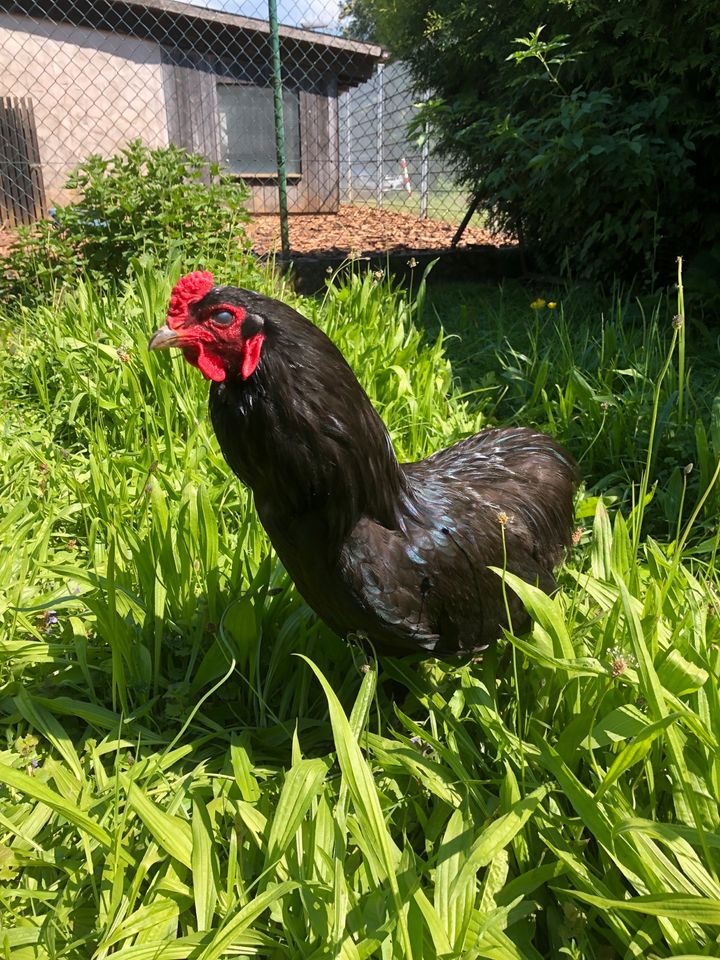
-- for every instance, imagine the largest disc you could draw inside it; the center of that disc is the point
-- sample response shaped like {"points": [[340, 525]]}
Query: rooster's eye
{"points": [[223, 316]]}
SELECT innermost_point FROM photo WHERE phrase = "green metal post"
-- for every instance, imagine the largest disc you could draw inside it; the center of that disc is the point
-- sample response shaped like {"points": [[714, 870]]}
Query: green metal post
{"points": [[279, 127]]}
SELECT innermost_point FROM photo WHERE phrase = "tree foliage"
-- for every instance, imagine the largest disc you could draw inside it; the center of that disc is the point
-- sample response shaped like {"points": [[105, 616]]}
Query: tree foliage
{"points": [[593, 137]]}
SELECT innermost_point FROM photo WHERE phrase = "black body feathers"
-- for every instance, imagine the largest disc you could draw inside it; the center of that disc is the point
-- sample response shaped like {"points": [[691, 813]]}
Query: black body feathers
{"points": [[399, 552]]}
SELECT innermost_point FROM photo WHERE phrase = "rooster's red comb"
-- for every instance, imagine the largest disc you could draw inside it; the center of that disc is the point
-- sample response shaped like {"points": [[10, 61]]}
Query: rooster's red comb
{"points": [[187, 290]]}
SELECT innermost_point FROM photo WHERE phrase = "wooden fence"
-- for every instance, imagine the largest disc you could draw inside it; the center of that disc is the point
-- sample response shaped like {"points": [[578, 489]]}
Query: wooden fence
{"points": [[22, 194]]}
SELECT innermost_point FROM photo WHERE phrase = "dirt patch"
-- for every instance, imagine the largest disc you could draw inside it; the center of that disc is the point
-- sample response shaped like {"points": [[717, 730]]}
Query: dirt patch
{"points": [[363, 230]]}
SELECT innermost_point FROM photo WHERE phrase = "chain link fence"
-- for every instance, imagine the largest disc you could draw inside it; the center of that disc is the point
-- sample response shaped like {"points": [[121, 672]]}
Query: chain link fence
{"points": [[382, 164], [87, 76]]}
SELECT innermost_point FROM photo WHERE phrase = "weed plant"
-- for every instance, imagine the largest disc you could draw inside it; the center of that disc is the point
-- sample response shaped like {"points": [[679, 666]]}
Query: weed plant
{"points": [[192, 766]]}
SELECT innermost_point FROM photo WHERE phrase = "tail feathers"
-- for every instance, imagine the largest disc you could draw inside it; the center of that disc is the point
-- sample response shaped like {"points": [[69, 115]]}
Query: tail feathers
{"points": [[520, 473]]}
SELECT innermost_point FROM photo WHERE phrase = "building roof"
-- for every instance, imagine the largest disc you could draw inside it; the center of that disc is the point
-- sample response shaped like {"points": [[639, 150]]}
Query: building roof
{"points": [[187, 26], [235, 21]]}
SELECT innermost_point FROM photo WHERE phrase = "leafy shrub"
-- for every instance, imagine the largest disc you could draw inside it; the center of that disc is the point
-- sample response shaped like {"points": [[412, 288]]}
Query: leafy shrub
{"points": [[162, 203], [594, 139]]}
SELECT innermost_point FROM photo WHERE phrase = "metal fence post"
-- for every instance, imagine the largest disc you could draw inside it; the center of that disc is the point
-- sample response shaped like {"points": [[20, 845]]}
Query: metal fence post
{"points": [[279, 127], [379, 119], [348, 145], [424, 170]]}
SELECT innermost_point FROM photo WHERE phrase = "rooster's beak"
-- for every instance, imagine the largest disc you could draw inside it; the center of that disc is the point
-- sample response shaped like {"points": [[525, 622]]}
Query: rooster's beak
{"points": [[164, 337]]}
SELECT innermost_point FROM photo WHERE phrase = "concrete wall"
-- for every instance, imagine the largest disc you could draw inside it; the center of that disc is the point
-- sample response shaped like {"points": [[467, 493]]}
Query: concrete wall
{"points": [[92, 91]]}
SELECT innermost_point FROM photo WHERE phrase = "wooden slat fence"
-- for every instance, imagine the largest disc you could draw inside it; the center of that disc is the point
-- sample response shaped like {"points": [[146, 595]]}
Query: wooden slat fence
{"points": [[22, 194]]}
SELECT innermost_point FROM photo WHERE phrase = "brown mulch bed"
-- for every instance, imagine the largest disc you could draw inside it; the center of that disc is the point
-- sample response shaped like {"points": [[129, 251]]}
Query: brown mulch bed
{"points": [[352, 229], [363, 230], [6, 239]]}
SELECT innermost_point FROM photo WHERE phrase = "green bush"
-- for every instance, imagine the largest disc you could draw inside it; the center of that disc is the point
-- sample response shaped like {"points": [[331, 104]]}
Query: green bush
{"points": [[162, 203], [594, 138]]}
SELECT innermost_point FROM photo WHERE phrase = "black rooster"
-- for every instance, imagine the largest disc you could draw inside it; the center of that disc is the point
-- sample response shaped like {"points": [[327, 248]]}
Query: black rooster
{"points": [[398, 552]]}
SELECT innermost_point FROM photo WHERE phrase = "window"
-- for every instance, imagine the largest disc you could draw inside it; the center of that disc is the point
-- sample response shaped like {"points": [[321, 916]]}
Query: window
{"points": [[247, 130]]}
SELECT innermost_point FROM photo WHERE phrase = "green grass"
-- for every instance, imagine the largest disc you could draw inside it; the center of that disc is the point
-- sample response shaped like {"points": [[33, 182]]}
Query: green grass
{"points": [[193, 767], [588, 371]]}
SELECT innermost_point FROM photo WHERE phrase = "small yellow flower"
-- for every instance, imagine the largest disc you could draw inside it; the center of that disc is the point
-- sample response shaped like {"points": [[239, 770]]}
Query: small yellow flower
{"points": [[551, 305], [537, 304]]}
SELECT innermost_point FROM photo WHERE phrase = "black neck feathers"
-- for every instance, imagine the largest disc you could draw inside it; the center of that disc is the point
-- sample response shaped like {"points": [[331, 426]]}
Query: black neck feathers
{"points": [[302, 433]]}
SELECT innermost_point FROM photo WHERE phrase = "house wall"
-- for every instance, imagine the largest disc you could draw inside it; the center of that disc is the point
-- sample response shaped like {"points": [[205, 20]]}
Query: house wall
{"points": [[191, 94], [92, 91], [318, 189]]}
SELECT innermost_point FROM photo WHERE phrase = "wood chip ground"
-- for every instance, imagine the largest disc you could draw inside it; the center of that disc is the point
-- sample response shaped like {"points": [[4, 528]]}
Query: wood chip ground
{"points": [[363, 230]]}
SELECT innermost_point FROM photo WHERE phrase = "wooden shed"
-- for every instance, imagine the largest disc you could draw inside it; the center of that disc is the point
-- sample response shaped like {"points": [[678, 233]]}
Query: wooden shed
{"points": [[94, 74]]}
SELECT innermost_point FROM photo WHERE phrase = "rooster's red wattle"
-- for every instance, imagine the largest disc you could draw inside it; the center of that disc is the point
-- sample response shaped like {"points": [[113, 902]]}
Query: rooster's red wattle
{"points": [[398, 552]]}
